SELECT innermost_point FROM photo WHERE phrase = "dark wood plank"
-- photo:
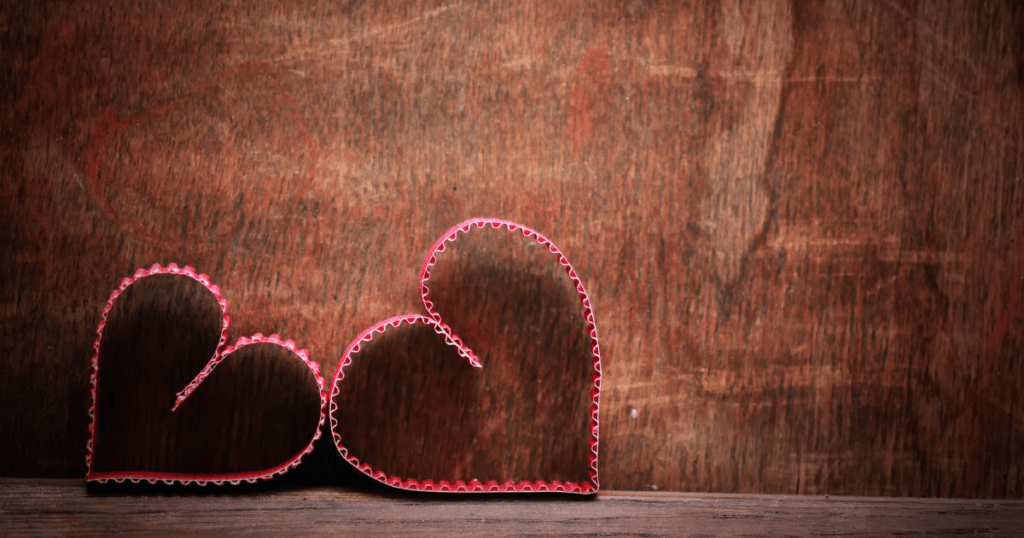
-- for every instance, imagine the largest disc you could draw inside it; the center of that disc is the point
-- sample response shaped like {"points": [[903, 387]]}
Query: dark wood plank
{"points": [[64, 507], [800, 223]]}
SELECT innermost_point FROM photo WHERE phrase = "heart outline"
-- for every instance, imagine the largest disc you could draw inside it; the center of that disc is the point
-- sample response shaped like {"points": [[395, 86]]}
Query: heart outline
{"points": [[220, 354], [440, 327]]}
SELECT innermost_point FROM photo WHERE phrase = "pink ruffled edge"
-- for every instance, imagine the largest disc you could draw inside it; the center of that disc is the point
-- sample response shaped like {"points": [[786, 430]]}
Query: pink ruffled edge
{"points": [[434, 320], [219, 355]]}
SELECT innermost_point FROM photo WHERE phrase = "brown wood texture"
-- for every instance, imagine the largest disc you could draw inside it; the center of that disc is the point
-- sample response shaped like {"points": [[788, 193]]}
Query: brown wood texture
{"points": [[32, 507], [800, 223]]}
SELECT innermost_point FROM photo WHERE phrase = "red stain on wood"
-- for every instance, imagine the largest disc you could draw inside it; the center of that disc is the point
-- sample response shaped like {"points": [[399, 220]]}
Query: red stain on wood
{"points": [[197, 142], [589, 94]]}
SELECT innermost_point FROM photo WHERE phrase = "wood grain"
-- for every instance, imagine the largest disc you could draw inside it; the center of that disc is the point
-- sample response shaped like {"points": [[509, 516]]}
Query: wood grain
{"points": [[64, 507], [800, 223]]}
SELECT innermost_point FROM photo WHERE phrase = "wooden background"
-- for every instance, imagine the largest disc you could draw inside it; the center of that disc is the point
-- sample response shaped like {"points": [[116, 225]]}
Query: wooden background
{"points": [[801, 224]]}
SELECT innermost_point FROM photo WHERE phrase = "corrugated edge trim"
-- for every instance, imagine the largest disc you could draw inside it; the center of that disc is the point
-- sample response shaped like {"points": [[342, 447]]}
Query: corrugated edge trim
{"points": [[434, 320], [219, 355]]}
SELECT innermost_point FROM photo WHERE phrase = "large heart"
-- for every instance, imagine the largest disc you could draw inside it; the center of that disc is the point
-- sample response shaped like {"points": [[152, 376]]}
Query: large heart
{"points": [[414, 415], [256, 418]]}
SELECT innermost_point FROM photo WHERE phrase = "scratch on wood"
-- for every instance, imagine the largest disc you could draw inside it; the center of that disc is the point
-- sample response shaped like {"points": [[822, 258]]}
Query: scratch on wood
{"points": [[966, 58], [759, 78], [337, 45]]}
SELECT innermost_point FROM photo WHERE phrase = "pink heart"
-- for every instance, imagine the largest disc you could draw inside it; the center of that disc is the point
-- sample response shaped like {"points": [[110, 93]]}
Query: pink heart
{"points": [[135, 436], [438, 416]]}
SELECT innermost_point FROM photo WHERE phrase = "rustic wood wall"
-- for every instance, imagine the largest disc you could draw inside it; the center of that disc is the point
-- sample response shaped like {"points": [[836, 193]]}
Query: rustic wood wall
{"points": [[801, 224]]}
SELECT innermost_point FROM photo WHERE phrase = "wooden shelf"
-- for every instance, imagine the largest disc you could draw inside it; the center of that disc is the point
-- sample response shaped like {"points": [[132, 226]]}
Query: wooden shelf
{"points": [[30, 507]]}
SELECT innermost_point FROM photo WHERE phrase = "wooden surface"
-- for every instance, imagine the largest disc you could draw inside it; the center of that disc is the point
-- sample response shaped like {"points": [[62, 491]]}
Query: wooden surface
{"points": [[65, 508], [800, 223]]}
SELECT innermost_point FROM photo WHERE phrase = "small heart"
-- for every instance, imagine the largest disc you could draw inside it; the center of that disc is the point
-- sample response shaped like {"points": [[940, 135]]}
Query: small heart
{"points": [[521, 416], [155, 419]]}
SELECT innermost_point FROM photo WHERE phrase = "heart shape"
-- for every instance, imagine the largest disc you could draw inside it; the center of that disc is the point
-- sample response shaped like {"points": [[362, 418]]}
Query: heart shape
{"points": [[173, 314], [396, 382]]}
